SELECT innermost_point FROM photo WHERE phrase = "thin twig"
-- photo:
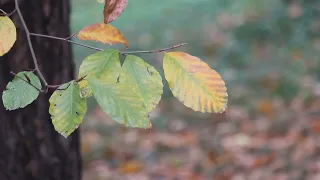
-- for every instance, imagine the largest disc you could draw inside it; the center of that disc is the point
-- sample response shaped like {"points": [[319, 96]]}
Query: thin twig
{"points": [[56, 86], [72, 35], [80, 79], [3, 12], [99, 49], [66, 39], [64, 88], [26, 81], [35, 61], [153, 51], [7, 14], [53, 86]]}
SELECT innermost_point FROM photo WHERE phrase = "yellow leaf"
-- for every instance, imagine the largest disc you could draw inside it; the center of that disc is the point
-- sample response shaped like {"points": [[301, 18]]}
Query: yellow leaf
{"points": [[103, 33], [194, 83], [8, 34]]}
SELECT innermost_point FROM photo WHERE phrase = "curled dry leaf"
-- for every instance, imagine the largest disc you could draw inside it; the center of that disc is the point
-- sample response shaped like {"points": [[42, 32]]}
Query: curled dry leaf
{"points": [[103, 33], [113, 9]]}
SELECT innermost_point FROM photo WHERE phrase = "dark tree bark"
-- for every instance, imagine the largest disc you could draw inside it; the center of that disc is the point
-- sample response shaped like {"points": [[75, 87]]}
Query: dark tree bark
{"points": [[30, 148]]}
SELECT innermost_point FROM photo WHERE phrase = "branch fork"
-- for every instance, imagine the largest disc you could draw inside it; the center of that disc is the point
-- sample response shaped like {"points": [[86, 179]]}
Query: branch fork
{"points": [[68, 39]]}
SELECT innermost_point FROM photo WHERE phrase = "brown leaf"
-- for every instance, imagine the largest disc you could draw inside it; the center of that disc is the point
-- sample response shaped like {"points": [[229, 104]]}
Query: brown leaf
{"points": [[266, 107], [103, 33], [264, 160], [131, 167], [113, 9], [316, 126]]}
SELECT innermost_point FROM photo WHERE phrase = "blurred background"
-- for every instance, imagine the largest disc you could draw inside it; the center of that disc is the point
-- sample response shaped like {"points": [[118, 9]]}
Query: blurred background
{"points": [[268, 53]]}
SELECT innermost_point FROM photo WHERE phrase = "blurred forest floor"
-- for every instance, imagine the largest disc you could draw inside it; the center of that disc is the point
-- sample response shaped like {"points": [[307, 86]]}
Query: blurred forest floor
{"points": [[229, 146], [268, 53]]}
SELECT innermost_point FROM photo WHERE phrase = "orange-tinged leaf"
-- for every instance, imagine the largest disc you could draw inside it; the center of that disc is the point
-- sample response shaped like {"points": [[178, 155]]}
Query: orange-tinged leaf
{"points": [[8, 34], [316, 125], [194, 83], [103, 33], [266, 107], [263, 160], [113, 9], [131, 167]]}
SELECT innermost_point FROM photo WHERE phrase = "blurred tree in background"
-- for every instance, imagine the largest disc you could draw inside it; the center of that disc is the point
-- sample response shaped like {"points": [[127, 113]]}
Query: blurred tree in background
{"points": [[30, 146]]}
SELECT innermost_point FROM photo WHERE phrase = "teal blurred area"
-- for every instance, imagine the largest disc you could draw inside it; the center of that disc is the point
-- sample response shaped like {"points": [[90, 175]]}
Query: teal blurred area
{"points": [[268, 53], [247, 41]]}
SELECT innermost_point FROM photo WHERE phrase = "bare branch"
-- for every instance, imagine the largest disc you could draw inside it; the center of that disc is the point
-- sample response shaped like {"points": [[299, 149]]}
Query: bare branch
{"points": [[72, 35], [3, 12], [99, 49], [153, 51], [67, 40], [81, 79], [7, 14], [56, 86], [35, 61]]}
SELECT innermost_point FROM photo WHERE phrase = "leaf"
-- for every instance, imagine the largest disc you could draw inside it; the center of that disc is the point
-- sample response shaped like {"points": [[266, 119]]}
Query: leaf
{"points": [[120, 102], [103, 33], [194, 83], [143, 79], [266, 107], [101, 1], [104, 62], [67, 108], [132, 166], [8, 34], [99, 63], [19, 93], [113, 9]]}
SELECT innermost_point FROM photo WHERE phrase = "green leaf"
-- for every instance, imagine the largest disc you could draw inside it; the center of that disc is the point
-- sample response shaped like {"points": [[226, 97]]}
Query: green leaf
{"points": [[120, 102], [67, 108], [144, 79], [19, 93], [104, 62]]}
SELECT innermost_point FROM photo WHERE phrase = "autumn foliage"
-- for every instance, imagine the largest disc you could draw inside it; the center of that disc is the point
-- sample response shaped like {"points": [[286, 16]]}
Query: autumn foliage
{"points": [[128, 92]]}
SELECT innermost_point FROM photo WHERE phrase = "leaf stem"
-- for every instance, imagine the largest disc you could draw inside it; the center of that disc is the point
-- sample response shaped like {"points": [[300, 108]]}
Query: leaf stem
{"points": [[153, 51], [99, 49], [7, 14], [56, 86], [67, 40], [26, 81], [35, 61]]}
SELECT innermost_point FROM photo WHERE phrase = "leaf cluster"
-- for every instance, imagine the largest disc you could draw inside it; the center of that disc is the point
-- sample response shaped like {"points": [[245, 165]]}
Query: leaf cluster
{"points": [[127, 92]]}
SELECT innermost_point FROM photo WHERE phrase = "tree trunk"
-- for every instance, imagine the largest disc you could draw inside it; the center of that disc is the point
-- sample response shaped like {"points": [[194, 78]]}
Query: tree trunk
{"points": [[30, 148]]}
